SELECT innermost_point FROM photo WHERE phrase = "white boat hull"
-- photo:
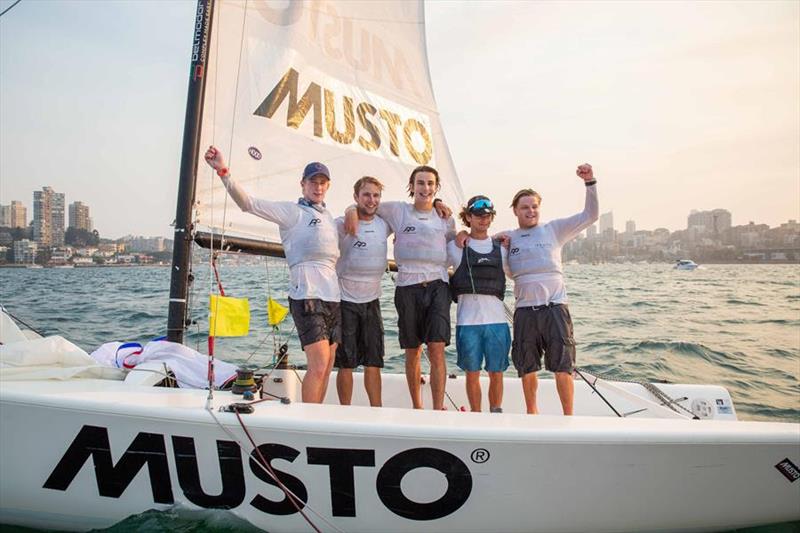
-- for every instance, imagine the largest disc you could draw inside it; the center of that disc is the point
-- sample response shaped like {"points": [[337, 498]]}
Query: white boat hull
{"points": [[87, 453]]}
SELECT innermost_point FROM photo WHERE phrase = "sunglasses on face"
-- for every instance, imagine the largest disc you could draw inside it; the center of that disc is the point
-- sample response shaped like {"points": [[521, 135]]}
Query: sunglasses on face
{"points": [[482, 204]]}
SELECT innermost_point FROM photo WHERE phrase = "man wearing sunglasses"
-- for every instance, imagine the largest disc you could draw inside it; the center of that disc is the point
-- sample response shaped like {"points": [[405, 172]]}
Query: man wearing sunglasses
{"points": [[479, 286]]}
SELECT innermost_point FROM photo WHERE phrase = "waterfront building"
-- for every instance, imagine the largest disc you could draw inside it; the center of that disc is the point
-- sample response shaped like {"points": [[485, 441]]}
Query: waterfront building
{"points": [[48, 217], [25, 252], [79, 216]]}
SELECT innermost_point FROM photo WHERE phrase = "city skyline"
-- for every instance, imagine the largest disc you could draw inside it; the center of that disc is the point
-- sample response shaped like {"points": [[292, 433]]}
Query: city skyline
{"points": [[700, 118], [609, 214]]}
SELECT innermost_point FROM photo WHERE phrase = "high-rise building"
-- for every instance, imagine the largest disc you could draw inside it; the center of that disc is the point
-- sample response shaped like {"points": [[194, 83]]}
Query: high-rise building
{"points": [[19, 214], [48, 217], [5, 216], [591, 231], [79, 216], [630, 226], [709, 222], [606, 222]]}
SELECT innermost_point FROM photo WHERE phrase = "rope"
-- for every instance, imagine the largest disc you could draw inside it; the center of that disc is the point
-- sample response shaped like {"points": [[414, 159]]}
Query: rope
{"points": [[659, 394], [268, 470], [9, 8]]}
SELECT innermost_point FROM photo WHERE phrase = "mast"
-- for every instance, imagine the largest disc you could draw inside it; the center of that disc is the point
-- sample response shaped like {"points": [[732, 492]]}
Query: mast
{"points": [[181, 252]]}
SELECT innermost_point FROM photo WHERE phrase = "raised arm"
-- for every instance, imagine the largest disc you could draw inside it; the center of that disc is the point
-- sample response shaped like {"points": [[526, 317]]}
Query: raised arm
{"points": [[568, 228], [284, 214]]}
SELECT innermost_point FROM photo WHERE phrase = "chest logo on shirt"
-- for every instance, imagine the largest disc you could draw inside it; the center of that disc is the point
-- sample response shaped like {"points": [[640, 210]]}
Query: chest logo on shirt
{"points": [[514, 251], [410, 229], [359, 244], [483, 260], [315, 221]]}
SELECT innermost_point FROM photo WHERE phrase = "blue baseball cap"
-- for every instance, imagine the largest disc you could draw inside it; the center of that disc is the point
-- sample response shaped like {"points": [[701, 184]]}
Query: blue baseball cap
{"points": [[316, 169]]}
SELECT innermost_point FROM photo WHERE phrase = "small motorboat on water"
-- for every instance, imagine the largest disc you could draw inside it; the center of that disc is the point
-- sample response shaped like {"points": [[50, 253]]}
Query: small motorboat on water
{"points": [[685, 264]]}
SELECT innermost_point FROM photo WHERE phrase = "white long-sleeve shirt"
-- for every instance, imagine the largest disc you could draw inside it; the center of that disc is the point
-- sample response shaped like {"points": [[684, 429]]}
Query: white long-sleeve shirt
{"points": [[309, 279], [534, 257]]}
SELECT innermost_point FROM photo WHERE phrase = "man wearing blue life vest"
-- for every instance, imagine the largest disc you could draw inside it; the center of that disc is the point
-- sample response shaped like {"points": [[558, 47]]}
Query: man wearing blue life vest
{"points": [[360, 268], [542, 323], [422, 295], [479, 286], [310, 242]]}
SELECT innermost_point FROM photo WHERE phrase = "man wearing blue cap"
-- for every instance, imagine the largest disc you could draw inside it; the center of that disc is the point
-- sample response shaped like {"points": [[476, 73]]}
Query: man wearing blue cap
{"points": [[311, 243]]}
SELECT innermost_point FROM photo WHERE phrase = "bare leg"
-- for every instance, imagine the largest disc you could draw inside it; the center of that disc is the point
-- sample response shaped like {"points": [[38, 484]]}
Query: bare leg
{"points": [[474, 390], [320, 362], [372, 382], [344, 385], [438, 373], [495, 389], [413, 375], [331, 360], [566, 390], [529, 385]]}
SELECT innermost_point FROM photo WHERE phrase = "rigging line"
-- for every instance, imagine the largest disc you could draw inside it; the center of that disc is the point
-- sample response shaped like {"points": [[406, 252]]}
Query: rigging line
{"points": [[9, 8], [233, 125], [270, 472], [292, 497], [455, 406], [591, 384], [6, 311]]}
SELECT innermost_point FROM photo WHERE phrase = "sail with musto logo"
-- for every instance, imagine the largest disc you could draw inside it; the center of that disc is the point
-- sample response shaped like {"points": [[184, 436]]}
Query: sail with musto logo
{"points": [[344, 83]]}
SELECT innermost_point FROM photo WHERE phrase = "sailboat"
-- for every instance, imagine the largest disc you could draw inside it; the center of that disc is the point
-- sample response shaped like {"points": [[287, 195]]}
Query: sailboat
{"points": [[83, 446]]}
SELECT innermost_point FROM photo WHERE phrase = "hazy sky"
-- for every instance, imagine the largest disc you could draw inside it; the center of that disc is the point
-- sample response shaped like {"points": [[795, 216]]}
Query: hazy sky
{"points": [[677, 105]]}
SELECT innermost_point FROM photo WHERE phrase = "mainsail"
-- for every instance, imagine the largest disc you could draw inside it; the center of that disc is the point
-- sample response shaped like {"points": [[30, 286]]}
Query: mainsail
{"points": [[344, 83]]}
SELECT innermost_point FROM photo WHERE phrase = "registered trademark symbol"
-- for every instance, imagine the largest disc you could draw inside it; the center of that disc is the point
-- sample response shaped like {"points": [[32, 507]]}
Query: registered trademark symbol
{"points": [[479, 455]]}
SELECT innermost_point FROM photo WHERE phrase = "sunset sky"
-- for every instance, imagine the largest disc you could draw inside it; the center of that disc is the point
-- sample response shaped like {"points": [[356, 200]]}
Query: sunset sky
{"points": [[678, 105]]}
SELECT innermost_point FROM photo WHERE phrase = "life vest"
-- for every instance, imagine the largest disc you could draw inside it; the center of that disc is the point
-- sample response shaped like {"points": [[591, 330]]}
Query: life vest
{"points": [[534, 251], [479, 273], [421, 238], [363, 256], [313, 238]]}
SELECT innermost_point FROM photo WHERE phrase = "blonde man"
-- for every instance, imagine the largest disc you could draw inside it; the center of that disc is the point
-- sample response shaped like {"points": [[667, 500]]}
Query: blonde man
{"points": [[361, 265]]}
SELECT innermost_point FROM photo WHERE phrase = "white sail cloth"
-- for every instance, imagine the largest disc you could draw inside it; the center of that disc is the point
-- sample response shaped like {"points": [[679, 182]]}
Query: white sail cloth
{"points": [[344, 83], [189, 366], [50, 358]]}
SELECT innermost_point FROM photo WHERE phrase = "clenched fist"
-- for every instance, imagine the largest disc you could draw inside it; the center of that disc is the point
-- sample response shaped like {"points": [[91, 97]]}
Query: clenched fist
{"points": [[585, 172]]}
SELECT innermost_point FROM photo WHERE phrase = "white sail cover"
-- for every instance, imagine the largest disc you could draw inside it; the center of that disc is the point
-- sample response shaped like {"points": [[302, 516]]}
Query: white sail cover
{"points": [[345, 83]]}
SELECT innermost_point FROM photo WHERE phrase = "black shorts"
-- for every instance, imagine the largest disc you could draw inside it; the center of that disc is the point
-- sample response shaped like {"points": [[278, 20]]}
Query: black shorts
{"points": [[546, 331], [316, 320], [362, 335], [423, 313]]}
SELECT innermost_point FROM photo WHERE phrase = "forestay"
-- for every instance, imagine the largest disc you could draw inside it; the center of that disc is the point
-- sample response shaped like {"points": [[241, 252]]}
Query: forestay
{"points": [[345, 83]]}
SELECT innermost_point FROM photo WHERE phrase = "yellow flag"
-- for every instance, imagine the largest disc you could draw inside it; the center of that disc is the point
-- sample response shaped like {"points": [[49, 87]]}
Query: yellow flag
{"points": [[275, 312], [228, 317]]}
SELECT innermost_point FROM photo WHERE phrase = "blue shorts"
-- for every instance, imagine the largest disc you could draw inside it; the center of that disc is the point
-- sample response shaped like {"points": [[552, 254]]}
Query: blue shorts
{"points": [[486, 341]]}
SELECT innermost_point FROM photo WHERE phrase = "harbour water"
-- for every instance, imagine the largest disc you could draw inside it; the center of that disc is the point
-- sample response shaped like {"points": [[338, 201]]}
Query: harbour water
{"points": [[733, 325]]}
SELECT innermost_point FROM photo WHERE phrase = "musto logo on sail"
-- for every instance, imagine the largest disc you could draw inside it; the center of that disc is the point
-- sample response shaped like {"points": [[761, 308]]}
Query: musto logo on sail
{"points": [[364, 122], [150, 449]]}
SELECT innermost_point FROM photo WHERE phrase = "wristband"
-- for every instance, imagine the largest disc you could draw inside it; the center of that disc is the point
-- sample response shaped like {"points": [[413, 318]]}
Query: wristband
{"points": [[223, 172], [590, 182]]}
